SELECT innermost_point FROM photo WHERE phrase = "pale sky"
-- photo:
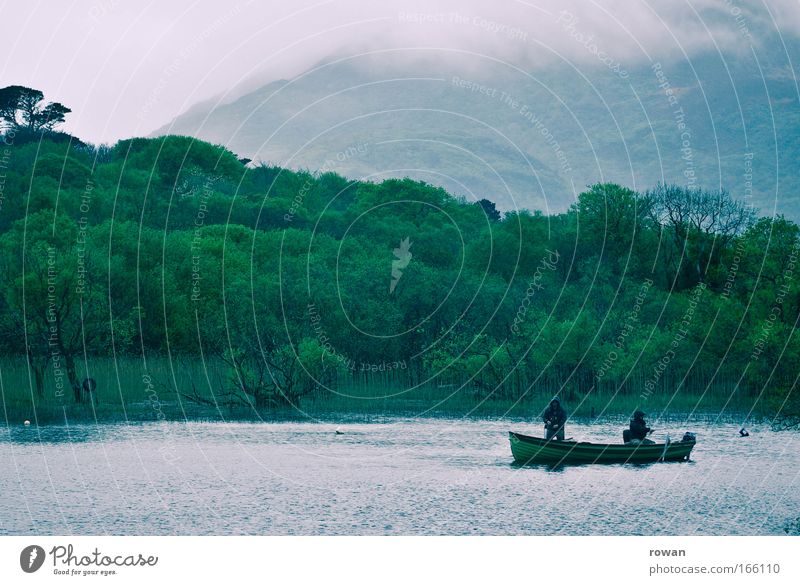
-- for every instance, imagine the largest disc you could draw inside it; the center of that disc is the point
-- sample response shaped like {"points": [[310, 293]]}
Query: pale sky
{"points": [[126, 68]]}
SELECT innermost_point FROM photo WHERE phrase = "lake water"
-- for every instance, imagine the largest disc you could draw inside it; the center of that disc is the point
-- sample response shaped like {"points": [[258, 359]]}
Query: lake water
{"points": [[399, 476]]}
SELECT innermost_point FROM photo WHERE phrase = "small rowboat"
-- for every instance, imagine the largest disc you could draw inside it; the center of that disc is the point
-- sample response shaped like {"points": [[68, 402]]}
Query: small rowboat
{"points": [[536, 450]]}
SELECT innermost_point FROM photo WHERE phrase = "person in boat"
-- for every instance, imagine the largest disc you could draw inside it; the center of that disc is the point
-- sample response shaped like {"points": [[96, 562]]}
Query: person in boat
{"points": [[639, 429], [555, 417]]}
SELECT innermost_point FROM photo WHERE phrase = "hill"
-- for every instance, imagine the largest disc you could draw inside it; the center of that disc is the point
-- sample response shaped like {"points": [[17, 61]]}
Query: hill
{"points": [[531, 139], [293, 286]]}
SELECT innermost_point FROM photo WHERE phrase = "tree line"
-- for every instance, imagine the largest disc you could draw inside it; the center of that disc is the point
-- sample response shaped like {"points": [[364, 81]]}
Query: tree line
{"points": [[292, 279]]}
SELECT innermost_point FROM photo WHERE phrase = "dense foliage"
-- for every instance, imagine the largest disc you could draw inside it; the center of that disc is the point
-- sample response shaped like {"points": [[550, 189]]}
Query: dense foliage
{"points": [[301, 281]]}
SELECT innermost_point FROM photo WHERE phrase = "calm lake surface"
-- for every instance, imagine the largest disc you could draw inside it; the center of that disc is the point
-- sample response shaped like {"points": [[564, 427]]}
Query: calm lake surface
{"points": [[399, 476]]}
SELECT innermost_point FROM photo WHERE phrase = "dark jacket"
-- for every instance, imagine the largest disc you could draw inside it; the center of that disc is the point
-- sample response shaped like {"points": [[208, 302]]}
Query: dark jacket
{"points": [[639, 428], [554, 416]]}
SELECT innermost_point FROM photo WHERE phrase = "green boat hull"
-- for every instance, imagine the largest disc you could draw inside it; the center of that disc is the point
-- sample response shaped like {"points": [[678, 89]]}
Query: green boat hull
{"points": [[530, 450]]}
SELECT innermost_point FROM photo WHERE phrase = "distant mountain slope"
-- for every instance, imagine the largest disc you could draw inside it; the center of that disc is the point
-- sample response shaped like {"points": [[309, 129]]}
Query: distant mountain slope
{"points": [[527, 139]]}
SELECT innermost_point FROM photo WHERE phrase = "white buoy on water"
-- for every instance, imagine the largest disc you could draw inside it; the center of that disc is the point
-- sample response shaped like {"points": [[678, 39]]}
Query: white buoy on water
{"points": [[27, 423]]}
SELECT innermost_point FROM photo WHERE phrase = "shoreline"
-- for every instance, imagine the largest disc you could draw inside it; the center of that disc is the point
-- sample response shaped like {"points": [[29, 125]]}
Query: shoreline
{"points": [[84, 414]]}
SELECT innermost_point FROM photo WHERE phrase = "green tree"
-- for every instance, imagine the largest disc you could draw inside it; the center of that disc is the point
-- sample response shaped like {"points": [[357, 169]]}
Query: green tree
{"points": [[53, 295], [23, 108]]}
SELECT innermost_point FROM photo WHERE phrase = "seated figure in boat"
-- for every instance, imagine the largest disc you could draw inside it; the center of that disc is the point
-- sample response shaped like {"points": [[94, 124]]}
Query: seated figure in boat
{"points": [[555, 417], [638, 430]]}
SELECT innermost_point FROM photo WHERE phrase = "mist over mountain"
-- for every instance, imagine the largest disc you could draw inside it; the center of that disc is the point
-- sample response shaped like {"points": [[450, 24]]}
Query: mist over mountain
{"points": [[529, 137]]}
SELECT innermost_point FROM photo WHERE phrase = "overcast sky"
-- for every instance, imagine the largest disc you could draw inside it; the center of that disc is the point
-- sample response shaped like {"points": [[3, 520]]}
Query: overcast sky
{"points": [[126, 68]]}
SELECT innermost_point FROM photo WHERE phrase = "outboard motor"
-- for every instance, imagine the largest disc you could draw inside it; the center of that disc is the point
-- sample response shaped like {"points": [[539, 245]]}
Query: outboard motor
{"points": [[688, 437]]}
